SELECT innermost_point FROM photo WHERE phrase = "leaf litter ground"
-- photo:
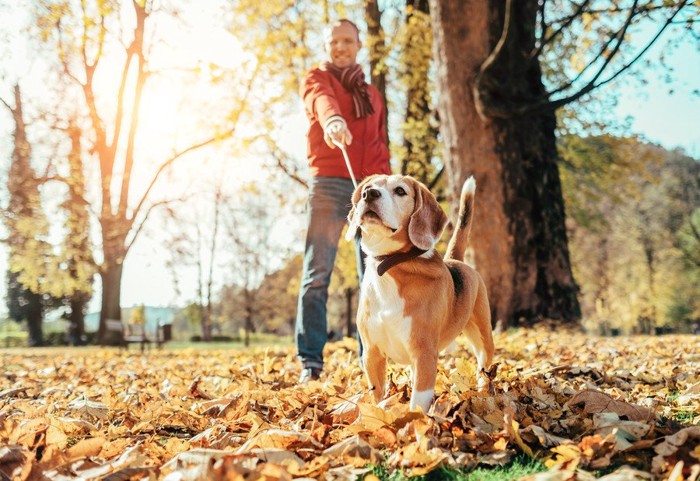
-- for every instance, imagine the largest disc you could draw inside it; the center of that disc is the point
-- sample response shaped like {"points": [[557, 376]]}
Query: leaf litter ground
{"points": [[626, 406]]}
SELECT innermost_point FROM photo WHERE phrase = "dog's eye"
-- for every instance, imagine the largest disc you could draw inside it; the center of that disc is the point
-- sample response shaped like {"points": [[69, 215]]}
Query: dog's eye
{"points": [[399, 191]]}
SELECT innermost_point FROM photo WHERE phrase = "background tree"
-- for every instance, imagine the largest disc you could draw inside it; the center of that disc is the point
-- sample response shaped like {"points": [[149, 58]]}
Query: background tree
{"points": [[504, 132], [74, 259], [255, 250], [420, 127], [79, 35], [278, 297], [628, 202], [193, 242], [27, 230]]}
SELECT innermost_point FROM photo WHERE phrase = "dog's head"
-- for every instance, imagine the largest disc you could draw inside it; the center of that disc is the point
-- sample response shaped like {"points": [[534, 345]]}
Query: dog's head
{"points": [[393, 211]]}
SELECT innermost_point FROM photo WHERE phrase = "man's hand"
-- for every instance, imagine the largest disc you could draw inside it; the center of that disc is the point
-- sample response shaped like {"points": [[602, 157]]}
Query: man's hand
{"points": [[337, 130]]}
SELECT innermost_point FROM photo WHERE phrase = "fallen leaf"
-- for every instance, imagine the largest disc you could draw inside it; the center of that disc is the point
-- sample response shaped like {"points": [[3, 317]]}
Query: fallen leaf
{"points": [[676, 448], [85, 407], [15, 462], [534, 433], [355, 451], [598, 402], [86, 448]]}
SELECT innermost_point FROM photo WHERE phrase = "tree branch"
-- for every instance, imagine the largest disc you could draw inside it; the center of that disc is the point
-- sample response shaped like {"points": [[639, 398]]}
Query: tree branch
{"points": [[137, 46], [619, 35], [120, 103], [6, 104], [224, 135], [647, 47], [140, 225], [498, 50], [544, 104], [435, 180], [558, 31], [277, 155]]}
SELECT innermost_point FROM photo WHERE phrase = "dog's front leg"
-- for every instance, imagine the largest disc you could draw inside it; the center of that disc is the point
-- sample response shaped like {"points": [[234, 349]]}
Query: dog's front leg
{"points": [[375, 370], [424, 367]]}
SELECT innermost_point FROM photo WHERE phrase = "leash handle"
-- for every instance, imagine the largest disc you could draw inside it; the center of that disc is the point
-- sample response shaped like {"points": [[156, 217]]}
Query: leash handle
{"points": [[347, 161]]}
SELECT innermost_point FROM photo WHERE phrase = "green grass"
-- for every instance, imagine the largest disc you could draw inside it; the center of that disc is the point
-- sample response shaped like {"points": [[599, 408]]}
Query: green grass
{"points": [[519, 467], [681, 416]]}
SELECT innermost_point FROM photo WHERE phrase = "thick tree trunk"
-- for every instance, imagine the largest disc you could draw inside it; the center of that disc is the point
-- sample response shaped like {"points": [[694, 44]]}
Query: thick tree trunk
{"points": [[111, 302], [77, 318], [205, 315], [519, 237], [35, 328], [248, 329]]}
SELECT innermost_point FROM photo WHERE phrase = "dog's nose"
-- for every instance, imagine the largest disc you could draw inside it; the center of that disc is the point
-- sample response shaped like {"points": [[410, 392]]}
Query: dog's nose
{"points": [[371, 194]]}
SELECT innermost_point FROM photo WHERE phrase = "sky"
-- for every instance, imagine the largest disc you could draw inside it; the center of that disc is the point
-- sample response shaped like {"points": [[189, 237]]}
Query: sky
{"points": [[651, 109]]}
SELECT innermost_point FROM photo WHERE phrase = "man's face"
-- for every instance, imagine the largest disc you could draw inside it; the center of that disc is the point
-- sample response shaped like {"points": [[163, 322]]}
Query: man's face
{"points": [[342, 45]]}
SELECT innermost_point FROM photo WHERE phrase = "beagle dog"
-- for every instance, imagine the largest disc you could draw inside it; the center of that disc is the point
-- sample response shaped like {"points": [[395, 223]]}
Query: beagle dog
{"points": [[413, 304]]}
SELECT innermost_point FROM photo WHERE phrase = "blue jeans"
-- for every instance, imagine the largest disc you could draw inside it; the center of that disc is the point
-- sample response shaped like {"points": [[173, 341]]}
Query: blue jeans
{"points": [[329, 205]]}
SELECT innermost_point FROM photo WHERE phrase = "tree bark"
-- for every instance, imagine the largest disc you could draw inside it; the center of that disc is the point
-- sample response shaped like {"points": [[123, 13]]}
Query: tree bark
{"points": [[349, 318], [519, 239], [77, 318], [376, 46], [420, 138], [111, 275], [35, 318]]}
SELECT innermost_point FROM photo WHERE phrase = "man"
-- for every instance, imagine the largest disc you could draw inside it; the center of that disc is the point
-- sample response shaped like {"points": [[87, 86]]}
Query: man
{"points": [[340, 107]]}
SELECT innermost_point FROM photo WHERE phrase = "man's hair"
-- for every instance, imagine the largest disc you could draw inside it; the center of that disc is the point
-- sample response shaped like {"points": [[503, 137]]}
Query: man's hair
{"points": [[338, 23]]}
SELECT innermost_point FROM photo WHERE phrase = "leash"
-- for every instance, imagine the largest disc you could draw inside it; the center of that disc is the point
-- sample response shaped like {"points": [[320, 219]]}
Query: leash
{"points": [[347, 161]]}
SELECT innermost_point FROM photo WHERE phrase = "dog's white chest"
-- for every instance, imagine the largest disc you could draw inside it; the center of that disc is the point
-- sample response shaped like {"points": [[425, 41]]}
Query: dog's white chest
{"points": [[387, 325]]}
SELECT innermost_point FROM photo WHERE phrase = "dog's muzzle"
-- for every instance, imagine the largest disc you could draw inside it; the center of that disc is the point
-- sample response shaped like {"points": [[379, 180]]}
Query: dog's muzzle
{"points": [[370, 195]]}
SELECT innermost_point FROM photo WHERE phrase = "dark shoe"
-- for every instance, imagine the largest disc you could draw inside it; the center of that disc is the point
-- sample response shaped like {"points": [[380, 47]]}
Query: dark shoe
{"points": [[309, 374]]}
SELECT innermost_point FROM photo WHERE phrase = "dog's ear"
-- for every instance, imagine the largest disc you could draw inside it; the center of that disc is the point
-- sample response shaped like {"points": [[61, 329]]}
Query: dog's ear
{"points": [[427, 221], [354, 224]]}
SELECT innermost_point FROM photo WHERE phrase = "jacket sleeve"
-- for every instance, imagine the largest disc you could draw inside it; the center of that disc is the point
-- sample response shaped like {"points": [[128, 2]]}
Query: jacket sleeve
{"points": [[319, 97]]}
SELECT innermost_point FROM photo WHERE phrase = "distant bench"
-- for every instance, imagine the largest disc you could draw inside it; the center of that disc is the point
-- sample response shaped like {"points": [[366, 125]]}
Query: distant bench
{"points": [[136, 334]]}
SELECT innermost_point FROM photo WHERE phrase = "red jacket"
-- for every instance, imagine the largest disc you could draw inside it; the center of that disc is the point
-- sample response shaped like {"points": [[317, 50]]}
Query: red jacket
{"points": [[324, 97]]}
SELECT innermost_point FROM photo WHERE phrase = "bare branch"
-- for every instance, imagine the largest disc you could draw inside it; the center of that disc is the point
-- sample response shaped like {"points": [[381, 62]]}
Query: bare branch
{"points": [[435, 180], [545, 104], [619, 36], [140, 225], [543, 18], [221, 136], [668, 22], [6, 104], [277, 155], [546, 41]]}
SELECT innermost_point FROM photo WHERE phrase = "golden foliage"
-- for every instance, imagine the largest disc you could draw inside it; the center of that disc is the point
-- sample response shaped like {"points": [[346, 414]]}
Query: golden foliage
{"points": [[571, 401]]}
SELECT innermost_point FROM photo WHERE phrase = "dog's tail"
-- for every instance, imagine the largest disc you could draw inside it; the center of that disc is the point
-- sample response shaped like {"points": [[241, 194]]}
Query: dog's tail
{"points": [[460, 235]]}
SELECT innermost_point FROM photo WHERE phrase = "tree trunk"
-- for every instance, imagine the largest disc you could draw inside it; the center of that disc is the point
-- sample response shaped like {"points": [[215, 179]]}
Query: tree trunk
{"points": [[111, 307], [77, 318], [376, 46], [420, 133], [349, 324], [24, 207], [34, 325], [248, 329], [205, 316], [519, 237]]}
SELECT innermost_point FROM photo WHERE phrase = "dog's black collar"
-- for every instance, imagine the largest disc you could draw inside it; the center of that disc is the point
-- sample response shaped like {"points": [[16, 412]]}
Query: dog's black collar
{"points": [[388, 261]]}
